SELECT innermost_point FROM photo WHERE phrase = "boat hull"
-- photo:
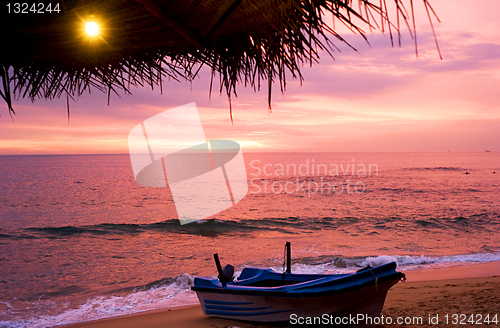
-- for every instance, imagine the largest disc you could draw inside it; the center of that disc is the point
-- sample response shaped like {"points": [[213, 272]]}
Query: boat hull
{"points": [[263, 295], [365, 302]]}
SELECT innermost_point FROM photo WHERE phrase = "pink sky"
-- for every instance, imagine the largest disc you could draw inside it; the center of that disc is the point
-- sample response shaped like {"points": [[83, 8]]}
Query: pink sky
{"points": [[380, 99]]}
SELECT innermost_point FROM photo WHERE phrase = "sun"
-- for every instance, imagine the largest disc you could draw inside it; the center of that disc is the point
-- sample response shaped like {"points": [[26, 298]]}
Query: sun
{"points": [[92, 28]]}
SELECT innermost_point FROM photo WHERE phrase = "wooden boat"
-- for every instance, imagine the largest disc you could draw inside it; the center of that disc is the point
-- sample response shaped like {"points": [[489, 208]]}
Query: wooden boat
{"points": [[263, 295]]}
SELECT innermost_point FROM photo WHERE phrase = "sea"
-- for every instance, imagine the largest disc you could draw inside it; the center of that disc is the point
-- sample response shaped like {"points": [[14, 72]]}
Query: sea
{"points": [[80, 240]]}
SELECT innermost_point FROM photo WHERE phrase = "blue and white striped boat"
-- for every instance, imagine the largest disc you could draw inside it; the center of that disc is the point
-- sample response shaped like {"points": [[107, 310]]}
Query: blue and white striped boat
{"points": [[263, 295]]}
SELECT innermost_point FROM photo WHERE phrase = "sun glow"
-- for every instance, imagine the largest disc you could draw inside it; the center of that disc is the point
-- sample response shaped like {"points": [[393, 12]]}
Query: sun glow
{"points": [[92, 28]]}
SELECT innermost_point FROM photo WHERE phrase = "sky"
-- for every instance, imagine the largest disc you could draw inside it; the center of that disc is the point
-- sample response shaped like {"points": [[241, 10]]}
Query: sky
{"points": [[380, 99]]}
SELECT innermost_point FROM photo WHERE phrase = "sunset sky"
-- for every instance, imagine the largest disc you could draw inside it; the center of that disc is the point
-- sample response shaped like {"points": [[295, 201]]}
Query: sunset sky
{"points": [[379, 99]]}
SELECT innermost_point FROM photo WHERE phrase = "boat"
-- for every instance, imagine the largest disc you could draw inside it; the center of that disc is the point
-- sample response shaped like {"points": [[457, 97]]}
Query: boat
{"points": [[264, 295]]}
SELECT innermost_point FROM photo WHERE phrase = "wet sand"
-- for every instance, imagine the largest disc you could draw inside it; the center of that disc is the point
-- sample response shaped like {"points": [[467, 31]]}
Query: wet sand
{"points": [[426, 295]]}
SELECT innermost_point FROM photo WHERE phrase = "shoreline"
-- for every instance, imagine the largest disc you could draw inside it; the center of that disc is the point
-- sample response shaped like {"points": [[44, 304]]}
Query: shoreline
{"points": [[466, 289], [476, 270]]}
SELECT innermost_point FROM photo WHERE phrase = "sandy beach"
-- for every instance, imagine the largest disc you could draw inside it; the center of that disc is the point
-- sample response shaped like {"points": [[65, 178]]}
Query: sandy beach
{"points": [[429, 295]]}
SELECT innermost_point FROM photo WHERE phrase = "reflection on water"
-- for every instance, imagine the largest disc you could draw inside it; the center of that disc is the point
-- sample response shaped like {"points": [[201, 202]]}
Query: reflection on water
{"points": [[77, 232]]}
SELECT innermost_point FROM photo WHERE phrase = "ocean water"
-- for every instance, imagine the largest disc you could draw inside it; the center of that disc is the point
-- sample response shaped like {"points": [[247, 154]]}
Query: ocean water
{"points": [[80, 240]]}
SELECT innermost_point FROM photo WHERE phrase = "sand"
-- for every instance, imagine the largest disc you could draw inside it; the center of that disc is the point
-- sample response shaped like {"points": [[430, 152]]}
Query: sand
{"points": [[429, 295]]}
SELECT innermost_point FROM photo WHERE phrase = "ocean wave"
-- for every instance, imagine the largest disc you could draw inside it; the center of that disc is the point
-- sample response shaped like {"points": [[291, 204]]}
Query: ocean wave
{"points": [[210, 227], [205, 227], [175, 292], [286, 225], [339, 264]]}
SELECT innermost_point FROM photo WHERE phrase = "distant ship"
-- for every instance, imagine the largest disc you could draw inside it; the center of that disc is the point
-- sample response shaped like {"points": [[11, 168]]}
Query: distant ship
{"points": [[487, 151]]}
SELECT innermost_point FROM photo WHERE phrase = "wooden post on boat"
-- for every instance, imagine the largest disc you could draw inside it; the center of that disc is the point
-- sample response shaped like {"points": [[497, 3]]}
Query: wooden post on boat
{"points": [[219, 269], [288, 257]]}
